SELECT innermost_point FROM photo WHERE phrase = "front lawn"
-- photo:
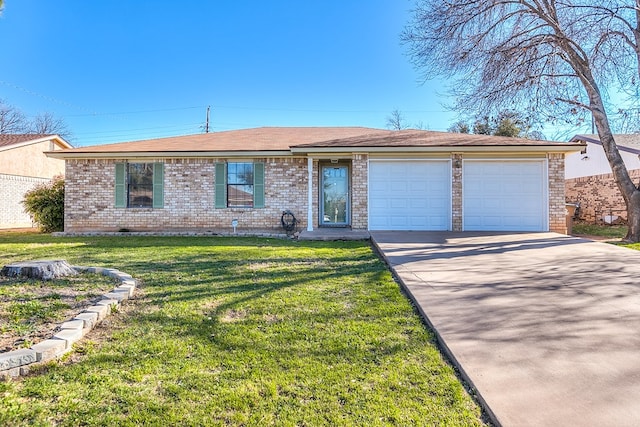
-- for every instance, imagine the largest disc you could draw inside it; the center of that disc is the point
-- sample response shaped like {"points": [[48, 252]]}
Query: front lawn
{"points": [[31, 310], [241, 332], [606, 231]]}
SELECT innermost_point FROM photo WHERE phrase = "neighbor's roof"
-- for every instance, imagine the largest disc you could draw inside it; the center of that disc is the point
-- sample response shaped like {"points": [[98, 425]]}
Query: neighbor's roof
{"points": [[11, 140], [288, 140], [625, 141]]}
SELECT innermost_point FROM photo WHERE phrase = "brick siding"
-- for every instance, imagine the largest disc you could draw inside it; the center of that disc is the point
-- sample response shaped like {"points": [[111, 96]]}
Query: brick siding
{"points": [[557, 205], [13, 189], [189, 186], [598, 195], [456, 192], [360, 192], [189, 190]]}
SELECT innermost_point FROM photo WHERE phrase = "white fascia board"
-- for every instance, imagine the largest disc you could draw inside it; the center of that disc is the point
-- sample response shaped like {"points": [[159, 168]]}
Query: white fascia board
{"points": [[322, 151], [167, 154]]}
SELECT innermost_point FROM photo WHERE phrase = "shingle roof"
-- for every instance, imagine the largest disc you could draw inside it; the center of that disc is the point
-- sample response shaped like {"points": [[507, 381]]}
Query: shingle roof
{"points": [[13, 139], [256, 139], [287, 140], [623, 140], [423, 138]]}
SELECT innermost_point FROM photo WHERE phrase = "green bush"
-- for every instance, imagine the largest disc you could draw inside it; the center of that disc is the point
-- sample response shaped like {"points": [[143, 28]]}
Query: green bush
{"points": [[45, 205]]}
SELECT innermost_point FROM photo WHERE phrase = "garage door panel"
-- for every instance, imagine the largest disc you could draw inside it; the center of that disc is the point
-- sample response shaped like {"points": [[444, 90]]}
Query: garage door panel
{"points": [[418, 199], [504, 196]]}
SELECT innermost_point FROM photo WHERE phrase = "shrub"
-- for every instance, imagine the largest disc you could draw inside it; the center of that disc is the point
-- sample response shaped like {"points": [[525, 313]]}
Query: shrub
{"points": [[45, 205]]}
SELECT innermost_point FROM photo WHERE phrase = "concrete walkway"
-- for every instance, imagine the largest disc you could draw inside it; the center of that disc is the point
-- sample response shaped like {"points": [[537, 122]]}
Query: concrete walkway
{"points": [[546, 327]]}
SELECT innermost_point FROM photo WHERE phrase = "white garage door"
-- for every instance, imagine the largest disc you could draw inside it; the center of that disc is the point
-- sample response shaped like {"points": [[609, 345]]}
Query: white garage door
{"points": [[504, 195], [409, 195]]}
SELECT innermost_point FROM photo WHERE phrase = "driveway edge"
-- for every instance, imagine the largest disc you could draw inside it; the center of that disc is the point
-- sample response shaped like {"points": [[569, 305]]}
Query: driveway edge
{"points": [[470, 386]]}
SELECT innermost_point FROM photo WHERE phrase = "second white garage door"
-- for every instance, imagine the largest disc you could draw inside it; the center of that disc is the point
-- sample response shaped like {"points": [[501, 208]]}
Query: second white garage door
{"points": [[504, 195], [409, 195]]}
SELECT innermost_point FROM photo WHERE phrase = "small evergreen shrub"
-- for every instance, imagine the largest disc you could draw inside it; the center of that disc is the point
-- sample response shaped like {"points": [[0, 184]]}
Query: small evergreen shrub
{"points": [[45, 205]]}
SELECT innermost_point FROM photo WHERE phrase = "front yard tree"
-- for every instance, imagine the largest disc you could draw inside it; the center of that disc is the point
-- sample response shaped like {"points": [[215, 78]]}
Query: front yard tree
{"points": [[556, 60]]}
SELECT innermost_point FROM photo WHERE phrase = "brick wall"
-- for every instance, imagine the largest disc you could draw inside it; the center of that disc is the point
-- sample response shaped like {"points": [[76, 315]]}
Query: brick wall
{"points": [[360, 192], [456, 192], [557, 205], [13, 189], [189, 187], [598, 195]]}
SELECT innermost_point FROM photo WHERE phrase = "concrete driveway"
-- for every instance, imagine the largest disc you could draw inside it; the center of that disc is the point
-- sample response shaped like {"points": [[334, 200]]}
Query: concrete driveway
{"points": [[546, 327]]}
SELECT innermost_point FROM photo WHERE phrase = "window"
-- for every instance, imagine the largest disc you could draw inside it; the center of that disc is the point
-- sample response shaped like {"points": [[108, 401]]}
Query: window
{"points": [[139, 185], [239, 185]]}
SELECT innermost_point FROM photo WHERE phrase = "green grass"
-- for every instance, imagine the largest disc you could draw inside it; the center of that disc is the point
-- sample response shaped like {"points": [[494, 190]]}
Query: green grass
{"points": [[610, 231], [242, 332], [28, 307]]}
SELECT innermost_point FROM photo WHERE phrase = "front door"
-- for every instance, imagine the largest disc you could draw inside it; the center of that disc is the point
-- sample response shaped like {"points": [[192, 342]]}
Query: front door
{"points": [[334, 195]]}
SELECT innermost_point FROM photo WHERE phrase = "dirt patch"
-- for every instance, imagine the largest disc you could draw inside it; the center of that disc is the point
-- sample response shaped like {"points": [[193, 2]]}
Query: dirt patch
{"points": [[32, 310], [234, 316]]}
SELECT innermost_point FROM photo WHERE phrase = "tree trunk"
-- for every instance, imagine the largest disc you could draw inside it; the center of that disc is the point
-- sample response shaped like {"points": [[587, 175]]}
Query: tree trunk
{"points": [[42, 270], [628, 189]]}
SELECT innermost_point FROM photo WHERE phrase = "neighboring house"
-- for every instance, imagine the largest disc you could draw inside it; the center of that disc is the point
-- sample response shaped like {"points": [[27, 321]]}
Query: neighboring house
{"points": [[23, 165], [362, 178], [589, 180]]}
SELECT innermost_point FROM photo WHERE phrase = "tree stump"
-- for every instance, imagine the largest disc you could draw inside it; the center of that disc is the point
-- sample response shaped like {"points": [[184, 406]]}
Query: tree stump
{"points": [[40, 269]]}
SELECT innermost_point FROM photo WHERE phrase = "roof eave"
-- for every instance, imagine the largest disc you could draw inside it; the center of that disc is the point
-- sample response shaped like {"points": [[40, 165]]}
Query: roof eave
{"points": [[164, 154], [57, 138], [564, 148]]}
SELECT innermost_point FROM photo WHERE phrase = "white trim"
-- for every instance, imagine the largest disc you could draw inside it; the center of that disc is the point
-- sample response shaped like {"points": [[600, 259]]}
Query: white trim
{"points": [[69, 155], [310, 194]]}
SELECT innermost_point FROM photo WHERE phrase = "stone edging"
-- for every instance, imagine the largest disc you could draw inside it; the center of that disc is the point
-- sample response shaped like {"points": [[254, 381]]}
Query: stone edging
{"points": [[16, 363]]}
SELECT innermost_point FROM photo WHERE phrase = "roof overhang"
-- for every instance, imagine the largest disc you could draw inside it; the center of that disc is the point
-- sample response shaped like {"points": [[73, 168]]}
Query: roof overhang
{"points": [[56, 139], [555, 148], [164, 154], [596, 141]]}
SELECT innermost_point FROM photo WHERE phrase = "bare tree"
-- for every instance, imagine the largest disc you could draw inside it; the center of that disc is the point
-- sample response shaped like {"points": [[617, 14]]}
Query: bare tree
{"points": [[459, 127], [12, 120], [395, 121], [46, 123], [552, 59]]}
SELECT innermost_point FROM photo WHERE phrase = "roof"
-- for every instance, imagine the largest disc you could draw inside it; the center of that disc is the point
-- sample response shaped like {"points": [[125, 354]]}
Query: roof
{"points": [[256, 139], [424, 138], [625, 141], [271, 141], [8, 140]]}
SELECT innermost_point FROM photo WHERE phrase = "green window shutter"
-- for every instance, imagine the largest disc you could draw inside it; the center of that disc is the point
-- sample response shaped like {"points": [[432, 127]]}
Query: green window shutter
{"points": [[258, 185], [158, 185], [121, 185], [221, 185]]}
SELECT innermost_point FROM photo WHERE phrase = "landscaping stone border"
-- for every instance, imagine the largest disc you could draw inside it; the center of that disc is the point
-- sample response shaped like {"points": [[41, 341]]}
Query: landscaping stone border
{"points": [[17, 362]]}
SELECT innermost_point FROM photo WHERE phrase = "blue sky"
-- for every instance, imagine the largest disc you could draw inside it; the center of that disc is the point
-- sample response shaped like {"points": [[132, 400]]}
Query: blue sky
{"points": [[120, 71], [146, 69]]}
